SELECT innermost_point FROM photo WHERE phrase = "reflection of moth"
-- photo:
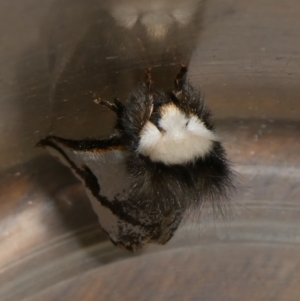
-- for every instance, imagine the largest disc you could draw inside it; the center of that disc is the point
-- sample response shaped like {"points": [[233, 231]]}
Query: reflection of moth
{"points": [[156, 16], [162, 159]]}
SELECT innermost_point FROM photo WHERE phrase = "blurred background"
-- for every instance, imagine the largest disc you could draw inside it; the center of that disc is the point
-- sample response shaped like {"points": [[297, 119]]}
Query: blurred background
{"points": [[56, 56]]}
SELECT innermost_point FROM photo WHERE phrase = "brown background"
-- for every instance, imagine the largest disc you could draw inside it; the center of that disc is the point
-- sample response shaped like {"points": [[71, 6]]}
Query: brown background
{"points": [[247, 62]]}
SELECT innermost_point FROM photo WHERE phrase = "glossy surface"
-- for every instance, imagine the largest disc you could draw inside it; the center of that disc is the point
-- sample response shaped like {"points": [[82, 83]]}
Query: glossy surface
{"points": [[245, 56]]}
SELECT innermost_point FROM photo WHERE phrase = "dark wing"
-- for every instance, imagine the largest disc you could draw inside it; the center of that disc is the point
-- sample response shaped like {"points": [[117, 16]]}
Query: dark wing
{"points": [[101, 166]]}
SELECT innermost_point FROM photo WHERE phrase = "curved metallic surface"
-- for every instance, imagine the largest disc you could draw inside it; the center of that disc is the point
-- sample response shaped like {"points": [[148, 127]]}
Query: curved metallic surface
{"points": [[57, 56]]}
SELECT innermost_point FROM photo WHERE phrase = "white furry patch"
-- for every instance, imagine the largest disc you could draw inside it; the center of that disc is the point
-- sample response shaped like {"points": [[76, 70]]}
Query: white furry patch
{"points": [[181, 139]]}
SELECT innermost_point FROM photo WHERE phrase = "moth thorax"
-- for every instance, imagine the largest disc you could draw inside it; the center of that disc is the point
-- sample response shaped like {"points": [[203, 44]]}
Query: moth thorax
{"points": [[178, 138]]}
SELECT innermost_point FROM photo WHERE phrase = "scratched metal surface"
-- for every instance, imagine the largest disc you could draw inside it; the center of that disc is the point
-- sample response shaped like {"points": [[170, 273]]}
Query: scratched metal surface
{"points": [[245, 56]]}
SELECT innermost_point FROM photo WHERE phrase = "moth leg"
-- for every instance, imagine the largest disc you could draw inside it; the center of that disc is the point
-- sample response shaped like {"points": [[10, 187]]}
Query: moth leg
{"points": [[148, 80], [180, 79], [149, 97], [116, 107], [118, 103]]}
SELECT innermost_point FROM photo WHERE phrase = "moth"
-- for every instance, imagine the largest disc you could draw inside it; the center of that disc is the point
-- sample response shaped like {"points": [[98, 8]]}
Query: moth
{"points": [[162, 159]]}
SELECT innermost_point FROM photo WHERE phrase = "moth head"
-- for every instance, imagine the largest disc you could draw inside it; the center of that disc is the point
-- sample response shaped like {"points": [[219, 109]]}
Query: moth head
{"points": [[176, 137]]}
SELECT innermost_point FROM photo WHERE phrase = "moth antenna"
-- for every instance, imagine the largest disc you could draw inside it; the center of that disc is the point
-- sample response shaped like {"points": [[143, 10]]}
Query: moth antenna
{"points": [[180, 78]]}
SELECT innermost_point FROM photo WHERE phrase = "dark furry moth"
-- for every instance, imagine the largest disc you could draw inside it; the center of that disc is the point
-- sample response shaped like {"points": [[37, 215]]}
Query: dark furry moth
{"points": [[162, 159]]}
